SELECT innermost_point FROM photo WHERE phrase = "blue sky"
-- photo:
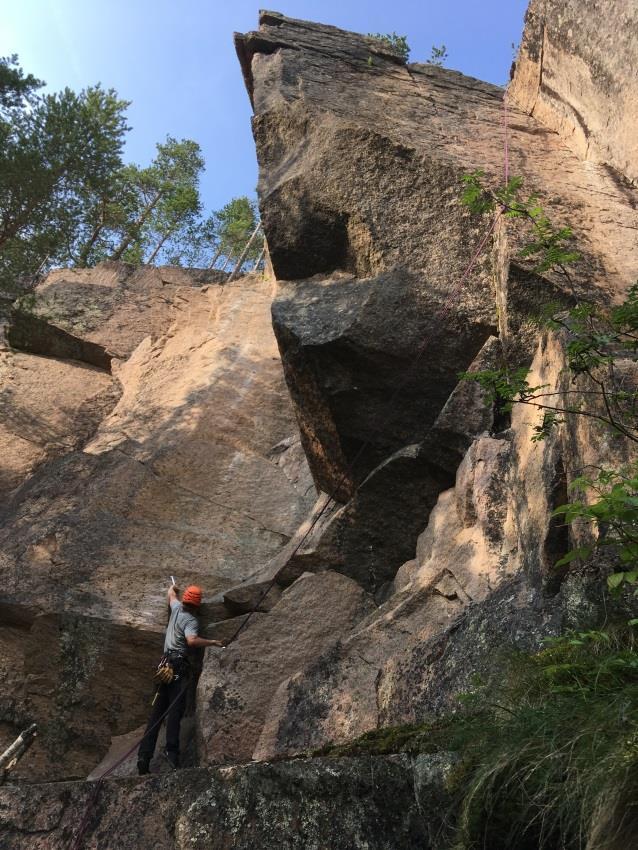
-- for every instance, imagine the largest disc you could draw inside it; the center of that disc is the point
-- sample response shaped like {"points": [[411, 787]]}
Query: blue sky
{"points": [[176, 61]]}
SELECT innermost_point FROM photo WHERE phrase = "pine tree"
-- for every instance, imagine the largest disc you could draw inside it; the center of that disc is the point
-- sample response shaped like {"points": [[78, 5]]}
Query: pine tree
{"points": [[55, 151], [170, 182]]}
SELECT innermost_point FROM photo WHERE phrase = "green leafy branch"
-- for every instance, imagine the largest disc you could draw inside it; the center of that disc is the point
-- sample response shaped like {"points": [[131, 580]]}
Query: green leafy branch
{"points": [[614, 513], [397, 44], [549, 247], [596, 339], [438, 56]]}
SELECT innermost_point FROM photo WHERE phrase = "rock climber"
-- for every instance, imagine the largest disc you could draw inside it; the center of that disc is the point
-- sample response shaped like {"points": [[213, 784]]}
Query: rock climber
{"points": [[173, 673]]}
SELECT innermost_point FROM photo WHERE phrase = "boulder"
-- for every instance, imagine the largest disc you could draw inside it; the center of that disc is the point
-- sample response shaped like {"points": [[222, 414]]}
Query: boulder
{"points": [[116, 305], [303, 805], [348, 359], [237, 683], [257, 596]]}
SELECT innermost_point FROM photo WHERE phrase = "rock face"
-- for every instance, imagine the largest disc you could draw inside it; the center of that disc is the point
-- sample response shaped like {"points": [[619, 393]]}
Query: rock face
{"points": [[374, 284], [491, 528], [302, 806], [576, 73], [39, 426], [166, 484], [236, 688], [181, 462], [304, 448], [82, 679], [361, 160]]}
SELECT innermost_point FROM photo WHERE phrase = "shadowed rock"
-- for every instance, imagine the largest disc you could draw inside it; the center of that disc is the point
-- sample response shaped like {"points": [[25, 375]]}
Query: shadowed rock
{"points": [[340, 804], [237, 683]]}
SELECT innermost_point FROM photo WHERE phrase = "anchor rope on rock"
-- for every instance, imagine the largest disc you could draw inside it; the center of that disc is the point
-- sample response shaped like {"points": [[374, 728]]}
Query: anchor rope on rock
{"points": [[445, 312], [77, 840], [332, 497]]}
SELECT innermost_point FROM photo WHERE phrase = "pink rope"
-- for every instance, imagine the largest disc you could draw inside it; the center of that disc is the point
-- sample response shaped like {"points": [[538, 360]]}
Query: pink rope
{"points": [[506, 140]]}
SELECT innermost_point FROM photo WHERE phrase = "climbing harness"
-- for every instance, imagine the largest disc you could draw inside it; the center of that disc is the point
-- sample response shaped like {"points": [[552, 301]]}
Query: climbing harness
{"points": [[172, 667], [164, 674]]}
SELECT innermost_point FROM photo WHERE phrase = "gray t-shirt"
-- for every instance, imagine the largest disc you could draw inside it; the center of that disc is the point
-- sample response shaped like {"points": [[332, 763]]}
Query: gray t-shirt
{"points": [[180, 626]]}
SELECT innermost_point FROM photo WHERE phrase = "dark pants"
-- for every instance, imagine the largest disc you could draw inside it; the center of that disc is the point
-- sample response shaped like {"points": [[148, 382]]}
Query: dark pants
{"points": [[175, 696]]}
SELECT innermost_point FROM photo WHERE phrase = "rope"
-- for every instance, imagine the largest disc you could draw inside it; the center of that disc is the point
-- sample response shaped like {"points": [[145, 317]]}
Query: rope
{"points": [[349, 469], [445, 312], [77, 841], [447, 308]]}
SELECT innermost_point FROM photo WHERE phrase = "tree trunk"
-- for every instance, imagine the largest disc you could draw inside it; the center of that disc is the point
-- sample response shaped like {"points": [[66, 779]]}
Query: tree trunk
{"points": [[130, 237], [260, 258], [161, 242], [244, 253], [86, 248], [218, 254]]}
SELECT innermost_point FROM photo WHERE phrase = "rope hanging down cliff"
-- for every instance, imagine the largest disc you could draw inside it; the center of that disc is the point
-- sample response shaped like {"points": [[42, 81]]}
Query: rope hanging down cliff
{"points": [[443, 315]]}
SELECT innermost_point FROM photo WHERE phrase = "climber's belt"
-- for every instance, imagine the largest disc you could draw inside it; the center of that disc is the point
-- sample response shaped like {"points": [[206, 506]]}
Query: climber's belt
{"points": [[173, 666]]}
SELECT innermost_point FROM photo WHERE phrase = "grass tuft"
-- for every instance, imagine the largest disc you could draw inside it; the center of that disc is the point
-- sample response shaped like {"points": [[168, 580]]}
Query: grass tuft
{"points": [[548, 759]]}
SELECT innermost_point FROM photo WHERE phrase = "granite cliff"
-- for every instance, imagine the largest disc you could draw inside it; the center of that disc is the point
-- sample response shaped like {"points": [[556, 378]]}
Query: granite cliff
{"points": [[309, 427]]}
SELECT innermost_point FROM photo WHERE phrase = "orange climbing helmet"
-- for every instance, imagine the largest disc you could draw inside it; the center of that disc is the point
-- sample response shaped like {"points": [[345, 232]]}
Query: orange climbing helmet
{"points": [[193, 595]]}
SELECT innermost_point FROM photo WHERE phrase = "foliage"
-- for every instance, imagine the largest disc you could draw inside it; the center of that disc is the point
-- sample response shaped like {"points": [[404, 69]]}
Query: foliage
{"points": [[609, 501], [549, 247], [67, 198], [53, 149], [15, 87], [162, 196], [503, 387], [397, 44], [614, 513], [236, 222], [547, 754], [438, 56], [551, 758], [596, 338]]}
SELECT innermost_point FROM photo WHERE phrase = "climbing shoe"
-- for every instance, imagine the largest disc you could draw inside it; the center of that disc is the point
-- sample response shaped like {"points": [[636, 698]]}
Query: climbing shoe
{"points": [[143, 766], [172, 758]]}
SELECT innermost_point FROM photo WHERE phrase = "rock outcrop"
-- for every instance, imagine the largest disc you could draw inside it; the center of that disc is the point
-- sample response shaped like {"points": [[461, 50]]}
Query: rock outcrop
{"points": [[376, 530], [341, 132], [236, 688], [576, 73], [302, 806], [181, 462]]}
